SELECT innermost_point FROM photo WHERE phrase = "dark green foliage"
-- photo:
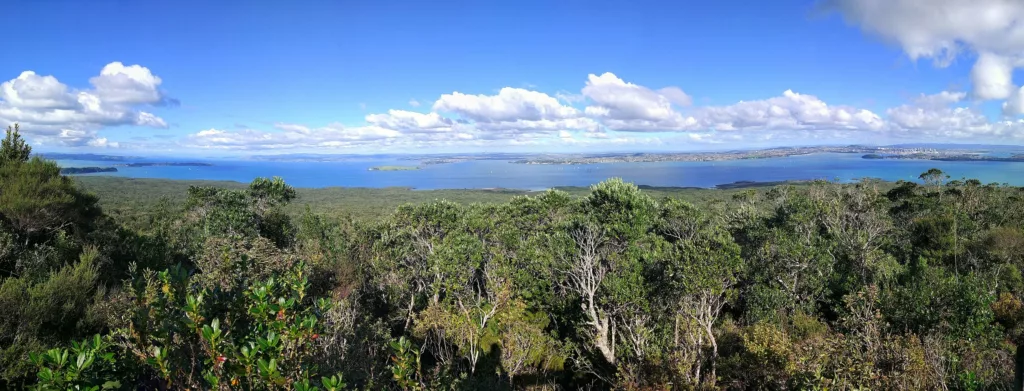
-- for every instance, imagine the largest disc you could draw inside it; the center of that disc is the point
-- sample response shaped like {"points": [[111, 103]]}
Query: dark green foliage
{"points": [[86, 366], [39, 314], [37, 202], [246, 213]]}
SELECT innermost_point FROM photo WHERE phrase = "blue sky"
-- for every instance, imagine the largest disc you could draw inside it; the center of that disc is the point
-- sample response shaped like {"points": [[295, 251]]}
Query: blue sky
{"points": [[346, 76]]}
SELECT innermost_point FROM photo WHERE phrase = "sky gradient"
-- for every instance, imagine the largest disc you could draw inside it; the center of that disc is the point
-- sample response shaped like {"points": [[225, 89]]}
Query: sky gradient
{"points": [[195, 78]]}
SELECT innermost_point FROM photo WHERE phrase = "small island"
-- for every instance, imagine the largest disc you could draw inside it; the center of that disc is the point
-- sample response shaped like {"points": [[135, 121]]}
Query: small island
{"points": [[86, 170], [394, 168]]}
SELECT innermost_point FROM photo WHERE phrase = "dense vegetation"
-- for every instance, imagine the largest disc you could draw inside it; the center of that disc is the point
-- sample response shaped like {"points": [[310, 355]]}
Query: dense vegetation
{"points": [[133, 198], [823, 286]]}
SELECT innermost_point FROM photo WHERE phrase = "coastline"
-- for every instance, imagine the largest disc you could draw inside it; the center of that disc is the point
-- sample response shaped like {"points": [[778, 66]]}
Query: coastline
{"points": [[237, 184]]}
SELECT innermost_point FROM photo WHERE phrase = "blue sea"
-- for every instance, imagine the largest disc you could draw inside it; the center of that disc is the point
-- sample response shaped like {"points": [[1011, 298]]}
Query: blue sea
{"points": [[485, 174]]}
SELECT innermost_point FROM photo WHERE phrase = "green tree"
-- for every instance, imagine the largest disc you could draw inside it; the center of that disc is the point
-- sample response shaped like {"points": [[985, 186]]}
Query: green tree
{"points": [[703, 267], [38, 202], [13, 148]]}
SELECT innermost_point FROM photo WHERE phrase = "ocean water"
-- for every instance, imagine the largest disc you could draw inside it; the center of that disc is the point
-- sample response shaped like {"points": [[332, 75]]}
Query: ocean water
{"points": [[482, 174]]}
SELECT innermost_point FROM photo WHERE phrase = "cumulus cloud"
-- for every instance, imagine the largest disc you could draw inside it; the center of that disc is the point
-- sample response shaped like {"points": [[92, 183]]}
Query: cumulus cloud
{"points": [[631, 107], [625, 106], [1014, 106], [676, 96], [791, 111], [942, 99], [127, 85], [515, 113], [992, 77], [943, 29], [51, 111], [408, 121], [511, 104], [935, 117], [32, 91]]}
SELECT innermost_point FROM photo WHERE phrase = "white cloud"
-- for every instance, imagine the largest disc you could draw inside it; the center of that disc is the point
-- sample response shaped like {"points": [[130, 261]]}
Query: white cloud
{"points": [[943, 29], [408, 121], [511, 104], [414, 103], [102, 143], [127, 85], [624, 106], [569, 97], [50, 111], [540, 126], [932, 117], [936, 121], [1014, 106], [630, 107], [290, 136], [676, 96], [941, 99], [992, 77], [791, 111], [31, 91], [151, 120], [515, 113]]}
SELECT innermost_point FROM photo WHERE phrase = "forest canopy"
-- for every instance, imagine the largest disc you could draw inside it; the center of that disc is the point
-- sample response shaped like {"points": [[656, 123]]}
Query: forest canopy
{"points": [[825, 286]]}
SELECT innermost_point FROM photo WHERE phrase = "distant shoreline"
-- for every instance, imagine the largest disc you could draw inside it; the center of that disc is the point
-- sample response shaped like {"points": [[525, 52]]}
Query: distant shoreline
{"points": [[165, 164], [771, 153], [947, 158], [228, 183], [86, 170], [394, 168]]}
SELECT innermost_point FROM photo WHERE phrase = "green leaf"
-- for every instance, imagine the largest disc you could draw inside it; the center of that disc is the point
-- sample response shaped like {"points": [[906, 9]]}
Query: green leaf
{"points": [[80, 363]]}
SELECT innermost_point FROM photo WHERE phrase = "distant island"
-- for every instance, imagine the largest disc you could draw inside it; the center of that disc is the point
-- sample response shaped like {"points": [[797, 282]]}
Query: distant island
{"points": [[394, 168], [170, 164], [86, 170]]}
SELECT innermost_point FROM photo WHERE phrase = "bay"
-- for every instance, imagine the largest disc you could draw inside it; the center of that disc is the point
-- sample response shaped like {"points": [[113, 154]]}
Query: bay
{"points": [[485, 174]]}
